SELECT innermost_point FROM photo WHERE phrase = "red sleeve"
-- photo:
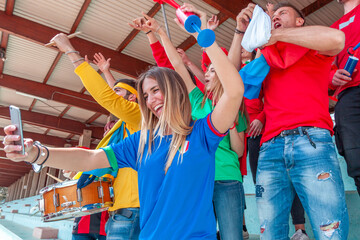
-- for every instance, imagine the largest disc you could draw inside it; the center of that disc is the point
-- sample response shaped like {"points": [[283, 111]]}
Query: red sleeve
{"points": [[283, 55], [261, 117], [242, 160], [160, 55], [334, 68], [200, 85]]}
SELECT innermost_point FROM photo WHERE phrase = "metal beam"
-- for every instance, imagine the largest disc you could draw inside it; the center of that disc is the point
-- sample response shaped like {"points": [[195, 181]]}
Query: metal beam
{"points": [[61, 95], [52, 122], [41, 34]]}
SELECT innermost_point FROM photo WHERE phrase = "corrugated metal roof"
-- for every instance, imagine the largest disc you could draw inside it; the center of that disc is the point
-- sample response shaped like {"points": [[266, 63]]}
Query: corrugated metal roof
{"points": [[49, 107], [58, 133], [52, 13], [105, 21], [33, 128], [78, 114], [102, 120], [63, 76], [9, 97], [139, 47], [28, 60], [2, 5], [298, 4], [327, 15]]}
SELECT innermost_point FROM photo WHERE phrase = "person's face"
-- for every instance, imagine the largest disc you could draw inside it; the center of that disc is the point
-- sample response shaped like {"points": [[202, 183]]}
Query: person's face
{"points": [[245, 54], [125, 94], [286, 17], [154, 98], [210, 78]]}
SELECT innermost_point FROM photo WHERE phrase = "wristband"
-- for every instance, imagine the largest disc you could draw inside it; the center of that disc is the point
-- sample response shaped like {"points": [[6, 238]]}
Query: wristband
{"points": [[148, 32], [73, 51], [78, 60], [237, 31]]}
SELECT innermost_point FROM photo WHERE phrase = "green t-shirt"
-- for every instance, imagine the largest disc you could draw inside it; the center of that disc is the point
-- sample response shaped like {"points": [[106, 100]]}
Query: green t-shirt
{"points": [[227, 165]]}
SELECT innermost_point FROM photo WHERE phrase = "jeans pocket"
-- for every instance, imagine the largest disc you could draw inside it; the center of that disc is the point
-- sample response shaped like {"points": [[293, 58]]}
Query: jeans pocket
{"points": [[121, 218], [266, 145]]}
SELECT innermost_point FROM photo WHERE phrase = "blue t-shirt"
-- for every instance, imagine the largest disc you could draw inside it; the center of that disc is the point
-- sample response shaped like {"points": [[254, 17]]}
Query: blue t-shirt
{"points": [[177, 205]]}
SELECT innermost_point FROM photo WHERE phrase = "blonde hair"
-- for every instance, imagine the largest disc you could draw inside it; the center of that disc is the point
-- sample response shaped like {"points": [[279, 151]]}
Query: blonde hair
{"points": [[175, 117]]}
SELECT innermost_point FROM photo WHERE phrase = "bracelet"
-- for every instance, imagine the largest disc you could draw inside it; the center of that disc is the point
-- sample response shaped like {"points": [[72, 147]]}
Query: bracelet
{"points": [[148, 32], [73, 51], [237, 31], [233, 126], [47, 157], [78, 60], [38, 153]]}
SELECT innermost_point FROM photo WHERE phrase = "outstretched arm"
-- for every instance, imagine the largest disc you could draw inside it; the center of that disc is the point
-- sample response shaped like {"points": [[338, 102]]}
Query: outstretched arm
{"points": [[61, 158]]}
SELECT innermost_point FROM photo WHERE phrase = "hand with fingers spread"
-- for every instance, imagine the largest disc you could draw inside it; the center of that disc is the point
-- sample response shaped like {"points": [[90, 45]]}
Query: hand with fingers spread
{"points": [[102, 63], [12, 150], [139, 24], [255, 128], [341, 77], [213, 22], [243, 18]]}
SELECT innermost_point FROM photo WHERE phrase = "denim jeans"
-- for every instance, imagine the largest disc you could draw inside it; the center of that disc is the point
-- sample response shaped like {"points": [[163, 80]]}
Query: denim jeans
{"points": [[88, 236], [120, 227], [228, 202], [308, 164]]}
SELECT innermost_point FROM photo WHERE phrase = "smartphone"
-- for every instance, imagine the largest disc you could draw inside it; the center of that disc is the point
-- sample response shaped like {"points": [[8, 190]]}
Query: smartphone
{"points": [[15, 116]]}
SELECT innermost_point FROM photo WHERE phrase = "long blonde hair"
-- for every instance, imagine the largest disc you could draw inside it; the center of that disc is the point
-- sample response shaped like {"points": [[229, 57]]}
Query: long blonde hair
{"points": [[175, 117]]}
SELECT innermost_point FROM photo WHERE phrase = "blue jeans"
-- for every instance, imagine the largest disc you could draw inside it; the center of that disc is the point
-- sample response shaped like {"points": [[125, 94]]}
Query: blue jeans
{"points": [[88, 236], [228, 202], [307, 164], [120, 227]]}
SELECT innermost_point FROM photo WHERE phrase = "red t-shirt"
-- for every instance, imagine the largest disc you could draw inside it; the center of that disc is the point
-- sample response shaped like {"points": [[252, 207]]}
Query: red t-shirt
{"points": [[296, 89], [350, 25]]}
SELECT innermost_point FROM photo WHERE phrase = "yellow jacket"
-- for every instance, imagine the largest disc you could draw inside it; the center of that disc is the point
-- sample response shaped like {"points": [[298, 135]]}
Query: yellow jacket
{"points": [[126, 183]]}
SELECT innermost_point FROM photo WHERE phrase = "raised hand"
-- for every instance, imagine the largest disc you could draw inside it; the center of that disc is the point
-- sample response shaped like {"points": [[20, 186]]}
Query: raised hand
{"points": [[151, 23], [62, 42], [102, 63], [213, 22], [187, 7], [183, 56], [243, 18], [139, 24], [270, 9]]}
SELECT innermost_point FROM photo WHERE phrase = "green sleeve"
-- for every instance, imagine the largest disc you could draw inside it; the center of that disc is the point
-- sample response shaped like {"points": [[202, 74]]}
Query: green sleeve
{"points": [[196, 97], [242, 125], [111, 157]]}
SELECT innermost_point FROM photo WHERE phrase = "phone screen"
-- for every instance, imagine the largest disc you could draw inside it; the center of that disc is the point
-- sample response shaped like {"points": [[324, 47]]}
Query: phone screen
{"points": [[15, 116]]}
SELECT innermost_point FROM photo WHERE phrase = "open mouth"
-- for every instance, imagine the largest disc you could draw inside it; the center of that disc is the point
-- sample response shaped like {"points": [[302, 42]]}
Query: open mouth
{"points": [[158, 108], [207, 81], [277, 25]]}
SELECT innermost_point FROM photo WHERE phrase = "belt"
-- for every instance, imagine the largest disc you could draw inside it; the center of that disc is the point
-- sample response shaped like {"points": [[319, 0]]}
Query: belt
{"points": [[123, 212], [294, 131]]}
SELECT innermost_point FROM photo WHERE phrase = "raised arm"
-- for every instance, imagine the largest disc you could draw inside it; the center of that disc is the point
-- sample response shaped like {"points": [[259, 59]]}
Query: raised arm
{"points": [[228, 106], [193, 67], [126, 110], [61, 158], [242, 21], [171, 52]]}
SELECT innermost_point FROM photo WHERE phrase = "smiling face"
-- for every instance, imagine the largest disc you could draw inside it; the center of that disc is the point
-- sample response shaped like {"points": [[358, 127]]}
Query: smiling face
{"points": [[286, 17], [211, 78], [153, 97]]}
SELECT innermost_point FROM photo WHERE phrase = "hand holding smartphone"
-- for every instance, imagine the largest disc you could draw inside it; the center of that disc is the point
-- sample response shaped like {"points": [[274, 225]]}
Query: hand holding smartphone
{"points": [[15, 116]]}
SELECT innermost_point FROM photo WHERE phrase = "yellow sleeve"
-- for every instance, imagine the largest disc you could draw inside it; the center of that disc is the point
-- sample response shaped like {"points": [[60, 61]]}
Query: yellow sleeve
{"points": [[123, 109]]}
